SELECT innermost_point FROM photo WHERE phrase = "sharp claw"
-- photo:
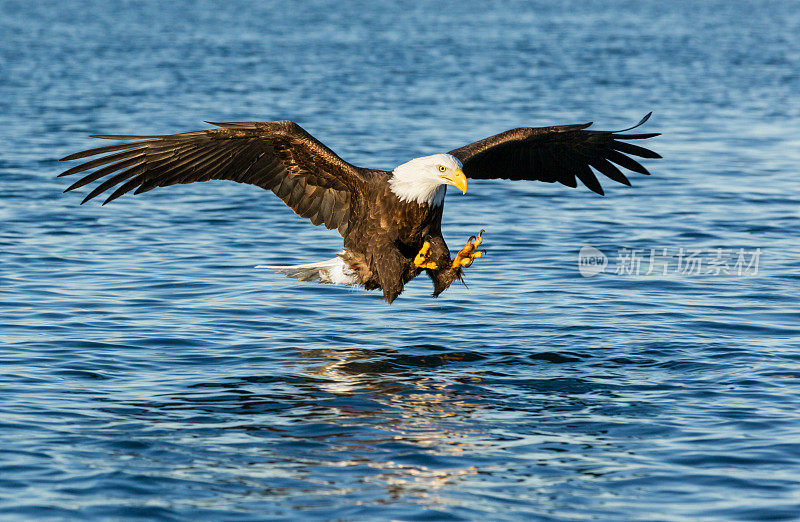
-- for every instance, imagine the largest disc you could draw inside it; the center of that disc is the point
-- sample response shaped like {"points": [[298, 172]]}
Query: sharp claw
{"points": [[468, 254], [421, 259]]}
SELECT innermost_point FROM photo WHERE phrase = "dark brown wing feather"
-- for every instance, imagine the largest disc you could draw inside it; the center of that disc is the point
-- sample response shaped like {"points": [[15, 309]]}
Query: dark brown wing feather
{"points": [[279, 156], [556, 154]]}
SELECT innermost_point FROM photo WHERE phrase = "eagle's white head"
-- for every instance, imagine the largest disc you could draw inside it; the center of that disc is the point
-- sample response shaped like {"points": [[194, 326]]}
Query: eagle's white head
{"points": [[424, 180]]}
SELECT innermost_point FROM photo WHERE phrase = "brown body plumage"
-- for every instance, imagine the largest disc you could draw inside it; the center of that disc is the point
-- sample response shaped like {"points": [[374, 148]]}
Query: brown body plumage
{"points": [[383, 227]]}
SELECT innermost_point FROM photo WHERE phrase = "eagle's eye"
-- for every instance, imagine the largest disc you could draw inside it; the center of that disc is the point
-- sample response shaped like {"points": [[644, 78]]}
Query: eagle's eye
{"points": [[442, 168]]}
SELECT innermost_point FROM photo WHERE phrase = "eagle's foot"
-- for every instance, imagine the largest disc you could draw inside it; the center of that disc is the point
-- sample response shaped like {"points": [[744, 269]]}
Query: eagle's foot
{"points": [[421, 260], [468, 253]]}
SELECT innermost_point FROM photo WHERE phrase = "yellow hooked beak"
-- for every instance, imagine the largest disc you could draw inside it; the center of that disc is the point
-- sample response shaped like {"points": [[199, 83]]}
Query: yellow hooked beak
{"points": [[457, 179]]}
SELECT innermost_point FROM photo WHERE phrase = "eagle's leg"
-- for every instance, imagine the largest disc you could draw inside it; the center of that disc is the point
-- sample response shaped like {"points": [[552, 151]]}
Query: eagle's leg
{"points": [[468, 254], [421, 259], [451, 269]]}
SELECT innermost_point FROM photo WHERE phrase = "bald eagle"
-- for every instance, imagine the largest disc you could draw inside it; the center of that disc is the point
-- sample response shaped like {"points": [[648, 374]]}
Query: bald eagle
{"points": [[390, 220]]}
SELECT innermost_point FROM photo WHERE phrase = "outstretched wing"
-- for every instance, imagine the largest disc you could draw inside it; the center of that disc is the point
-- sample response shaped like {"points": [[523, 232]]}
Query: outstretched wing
{"points": [[279, 156], [551, 154]]}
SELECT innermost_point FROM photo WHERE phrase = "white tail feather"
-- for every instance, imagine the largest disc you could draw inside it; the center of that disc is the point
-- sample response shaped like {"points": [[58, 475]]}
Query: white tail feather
{"points": [[333, 271]]}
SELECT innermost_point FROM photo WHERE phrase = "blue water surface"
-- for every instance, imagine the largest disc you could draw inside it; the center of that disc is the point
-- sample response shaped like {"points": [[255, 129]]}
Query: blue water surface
{"points": [[148, 371]]}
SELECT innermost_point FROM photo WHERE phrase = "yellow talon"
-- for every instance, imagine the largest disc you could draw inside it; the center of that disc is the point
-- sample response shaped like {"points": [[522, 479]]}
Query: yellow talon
{"points": [[468, 254], [421, 259]]}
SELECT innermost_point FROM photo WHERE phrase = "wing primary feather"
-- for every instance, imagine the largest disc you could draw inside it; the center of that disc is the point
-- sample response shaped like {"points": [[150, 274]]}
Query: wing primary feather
{"points": [[101, 161], [637, 136], [160, 169], [588, 178], [609, 170], [125, 187], [202, 163], [105, 171], [113, 180], [211, 167], [166, 173], [233, 124], [102, 150], [641, 122], [124, 136], [635, 150], [624, 161], [245, 162]]}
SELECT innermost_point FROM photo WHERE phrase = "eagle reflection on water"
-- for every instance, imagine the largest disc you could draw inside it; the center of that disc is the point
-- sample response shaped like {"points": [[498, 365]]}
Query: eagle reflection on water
{"points": [[405, 408], [384, 414], [419, 423]]}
